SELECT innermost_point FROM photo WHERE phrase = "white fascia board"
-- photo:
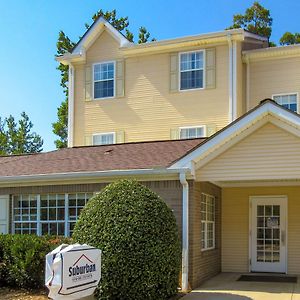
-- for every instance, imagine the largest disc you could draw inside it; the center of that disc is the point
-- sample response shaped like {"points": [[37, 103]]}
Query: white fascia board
{"points": [[219, 139], [89, 175], [97, 28]]}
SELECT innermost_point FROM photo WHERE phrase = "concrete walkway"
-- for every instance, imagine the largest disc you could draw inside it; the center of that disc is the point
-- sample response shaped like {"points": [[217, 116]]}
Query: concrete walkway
{"points": [[226, 287]]}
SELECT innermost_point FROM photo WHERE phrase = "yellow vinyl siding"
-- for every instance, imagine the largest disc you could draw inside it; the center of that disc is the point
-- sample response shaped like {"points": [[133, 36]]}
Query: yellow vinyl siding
{"points": [[235, 226], [148, 111], [273, 76], [268, 153]]}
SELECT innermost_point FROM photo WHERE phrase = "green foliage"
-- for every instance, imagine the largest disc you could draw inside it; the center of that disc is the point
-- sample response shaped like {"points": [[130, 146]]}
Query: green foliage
{"points": [[138, 236], [17, 137], [22, 259], [289, 38], [256, 19], [65, 45], [144, 35], [60, 127]]}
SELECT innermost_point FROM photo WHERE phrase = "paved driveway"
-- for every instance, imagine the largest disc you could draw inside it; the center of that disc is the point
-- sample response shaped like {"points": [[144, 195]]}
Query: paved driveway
{"points": [[226, 287]]}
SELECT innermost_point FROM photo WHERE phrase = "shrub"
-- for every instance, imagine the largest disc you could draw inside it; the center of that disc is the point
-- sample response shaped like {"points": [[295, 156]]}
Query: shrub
{"points": [[138, 236], [22, 259]]}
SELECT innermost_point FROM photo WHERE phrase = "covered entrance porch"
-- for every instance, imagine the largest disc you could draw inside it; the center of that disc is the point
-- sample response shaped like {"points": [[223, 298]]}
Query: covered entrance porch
{"points": [[255, 164]]}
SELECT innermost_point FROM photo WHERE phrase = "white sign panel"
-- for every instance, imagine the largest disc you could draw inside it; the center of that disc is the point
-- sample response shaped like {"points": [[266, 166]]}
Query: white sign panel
{"points": [[72, 271]]}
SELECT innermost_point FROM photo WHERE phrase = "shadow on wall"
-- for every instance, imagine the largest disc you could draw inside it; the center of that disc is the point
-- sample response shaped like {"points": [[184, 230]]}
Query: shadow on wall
{"points": [[198, 295]]}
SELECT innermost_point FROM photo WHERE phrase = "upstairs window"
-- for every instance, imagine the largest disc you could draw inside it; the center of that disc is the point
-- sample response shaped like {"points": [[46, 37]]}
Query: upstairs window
{"points": [[191, 70], [192, 132], [104, 80], [104, 138], [288, 101]]}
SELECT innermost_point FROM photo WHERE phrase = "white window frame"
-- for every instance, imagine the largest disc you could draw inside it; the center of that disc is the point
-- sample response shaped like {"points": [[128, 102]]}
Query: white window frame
{"points": [[101, 134], [206, 222], [100, 63], [192, 127], [66, 221], [179, 70], [288, 94]]}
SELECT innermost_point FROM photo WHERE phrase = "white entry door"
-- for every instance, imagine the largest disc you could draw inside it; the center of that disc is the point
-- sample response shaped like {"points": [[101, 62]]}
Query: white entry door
{"points": [[268, 234]]}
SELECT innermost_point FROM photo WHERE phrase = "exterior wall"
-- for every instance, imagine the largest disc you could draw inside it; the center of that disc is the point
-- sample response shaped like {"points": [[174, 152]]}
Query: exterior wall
{"points": [[170, 191], [235, 226], [148, 106], [203, 264], [247, 160], [273, 76]]}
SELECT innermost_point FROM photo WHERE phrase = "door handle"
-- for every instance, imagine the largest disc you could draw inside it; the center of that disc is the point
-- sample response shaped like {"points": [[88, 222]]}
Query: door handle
{"points": [[283, 237]]}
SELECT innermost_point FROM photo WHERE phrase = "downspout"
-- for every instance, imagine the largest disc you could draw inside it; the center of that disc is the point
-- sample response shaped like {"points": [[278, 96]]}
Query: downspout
{"points": [[185, 232], [247, 84], [71, 107], [230, 78]]}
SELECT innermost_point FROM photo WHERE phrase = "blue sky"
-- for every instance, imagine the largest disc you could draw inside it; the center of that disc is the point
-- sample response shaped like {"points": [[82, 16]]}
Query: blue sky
{"points": [[29, 80]]}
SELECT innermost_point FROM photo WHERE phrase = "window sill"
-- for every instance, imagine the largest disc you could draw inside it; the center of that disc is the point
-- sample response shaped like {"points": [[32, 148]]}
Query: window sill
{"points": [[190, 90], [208, 249]]}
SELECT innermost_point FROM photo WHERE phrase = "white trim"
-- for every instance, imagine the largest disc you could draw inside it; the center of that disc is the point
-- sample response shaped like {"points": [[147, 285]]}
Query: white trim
{"points": [[230, 79], [193, 127], [234, 81], [71, 106], [289, 94], [284, 199], [93, 79], [185, 231], [247, 85], [203, 69], [100, 25], [234, 130], [113, 133]]}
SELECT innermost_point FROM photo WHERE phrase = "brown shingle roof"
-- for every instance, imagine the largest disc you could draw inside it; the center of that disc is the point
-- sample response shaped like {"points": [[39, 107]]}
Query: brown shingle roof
{"points": [[144, 155]]}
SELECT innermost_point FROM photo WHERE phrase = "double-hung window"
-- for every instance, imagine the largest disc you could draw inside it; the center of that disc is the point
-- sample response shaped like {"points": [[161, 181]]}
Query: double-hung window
{"points": [[207, 221], [104, 138], [191, 70], [288, 101], [192, 132], [104, 80]]}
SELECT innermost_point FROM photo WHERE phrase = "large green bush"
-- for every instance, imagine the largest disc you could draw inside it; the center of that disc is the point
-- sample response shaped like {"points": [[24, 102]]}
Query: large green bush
{"points": [[138, 236], [22, 259]]}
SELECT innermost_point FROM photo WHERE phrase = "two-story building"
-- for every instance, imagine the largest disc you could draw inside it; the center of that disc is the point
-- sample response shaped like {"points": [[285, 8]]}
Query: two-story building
{"points": [[184, 117]]}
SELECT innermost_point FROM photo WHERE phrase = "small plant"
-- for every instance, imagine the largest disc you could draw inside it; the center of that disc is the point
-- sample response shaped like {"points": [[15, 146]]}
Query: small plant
{"points": [[22, 259], [138, 236]]}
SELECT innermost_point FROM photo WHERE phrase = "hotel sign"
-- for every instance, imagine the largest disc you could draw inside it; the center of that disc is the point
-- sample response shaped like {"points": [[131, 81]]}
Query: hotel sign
{"points": [[72, 271]]}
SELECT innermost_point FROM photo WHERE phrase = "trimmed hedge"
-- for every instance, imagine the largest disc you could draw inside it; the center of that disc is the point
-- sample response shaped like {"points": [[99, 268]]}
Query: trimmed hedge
{"points": [[138, 236], [22, 259]]}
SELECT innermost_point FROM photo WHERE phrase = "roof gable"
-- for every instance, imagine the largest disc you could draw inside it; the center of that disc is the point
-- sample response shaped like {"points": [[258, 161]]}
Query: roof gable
{"points": [[94, 32], [269, 153], [267, 111]]}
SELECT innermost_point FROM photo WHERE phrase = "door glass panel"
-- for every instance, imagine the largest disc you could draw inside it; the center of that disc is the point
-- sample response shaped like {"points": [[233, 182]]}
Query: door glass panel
{"points": [[268, 233]]}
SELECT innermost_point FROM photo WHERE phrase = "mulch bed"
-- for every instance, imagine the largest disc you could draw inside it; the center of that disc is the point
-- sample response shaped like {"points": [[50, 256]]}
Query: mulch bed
{"points": [[20, 294]]}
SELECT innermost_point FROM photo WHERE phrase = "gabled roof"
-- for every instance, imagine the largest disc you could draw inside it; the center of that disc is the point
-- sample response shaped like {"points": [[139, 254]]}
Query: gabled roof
{"points": [[129, 48], [94, 31], [267, 111], [155, 155]]}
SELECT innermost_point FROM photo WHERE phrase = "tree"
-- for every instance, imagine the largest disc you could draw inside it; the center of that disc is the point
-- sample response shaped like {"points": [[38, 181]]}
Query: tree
{"points": [[256, 19], [17, 137], [64, 45], [138, 236], [289, 38]]}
